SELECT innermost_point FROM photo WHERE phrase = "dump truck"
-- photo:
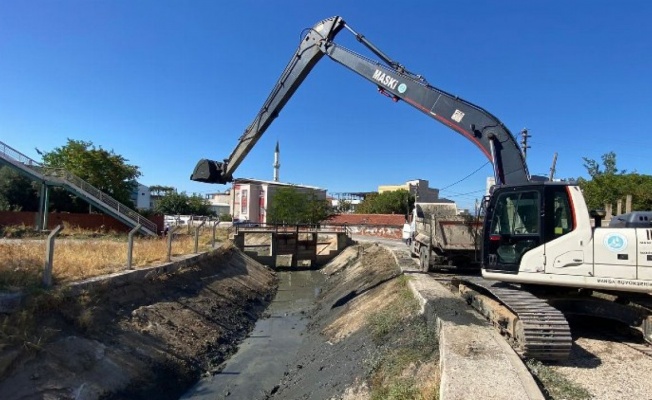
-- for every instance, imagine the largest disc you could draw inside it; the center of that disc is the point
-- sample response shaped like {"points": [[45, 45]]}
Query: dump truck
{"points": [[444, 238]]}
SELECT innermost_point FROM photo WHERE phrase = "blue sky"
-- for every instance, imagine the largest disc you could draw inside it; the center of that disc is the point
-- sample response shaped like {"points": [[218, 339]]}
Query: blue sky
{"points": [[166, 83]]}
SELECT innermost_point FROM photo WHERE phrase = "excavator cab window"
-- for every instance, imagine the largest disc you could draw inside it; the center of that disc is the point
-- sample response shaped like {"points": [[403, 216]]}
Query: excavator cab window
{"points": [[515, 228], [558, 213], [517, 213]]}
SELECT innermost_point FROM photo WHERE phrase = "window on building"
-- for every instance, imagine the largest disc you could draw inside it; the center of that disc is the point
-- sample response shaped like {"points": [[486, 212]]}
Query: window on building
{"points": [[243, 201]]}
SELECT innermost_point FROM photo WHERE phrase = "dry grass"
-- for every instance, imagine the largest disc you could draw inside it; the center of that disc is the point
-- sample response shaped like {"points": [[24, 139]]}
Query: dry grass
{"points": [[24, 231], [409, 370], [84, 255]]}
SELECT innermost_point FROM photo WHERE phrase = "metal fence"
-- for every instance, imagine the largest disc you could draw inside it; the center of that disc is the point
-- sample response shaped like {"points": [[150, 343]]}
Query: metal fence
{"points": [[307, 228]]}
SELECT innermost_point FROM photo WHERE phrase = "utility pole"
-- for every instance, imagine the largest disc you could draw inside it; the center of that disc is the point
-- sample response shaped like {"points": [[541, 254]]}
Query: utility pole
{"points": [[524, 146], [552, 168]]}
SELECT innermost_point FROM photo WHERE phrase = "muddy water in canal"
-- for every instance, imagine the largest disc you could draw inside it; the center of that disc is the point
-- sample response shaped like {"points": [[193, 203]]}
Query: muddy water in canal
{"points": [[263, 357]]}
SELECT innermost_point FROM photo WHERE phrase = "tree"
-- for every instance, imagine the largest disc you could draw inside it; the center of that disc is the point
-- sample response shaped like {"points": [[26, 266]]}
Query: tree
{"points": [[609, 163], [604, 186], [17, 193], [317, 209], [180, 203], [289, 206], [198, 205], [160, 190], [107, 171], [608, 184], [343, 206], [394, 202]]}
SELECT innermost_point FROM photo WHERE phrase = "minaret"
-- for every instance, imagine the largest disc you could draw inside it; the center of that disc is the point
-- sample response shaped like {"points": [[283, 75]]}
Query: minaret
{"points": [[277, 164]]}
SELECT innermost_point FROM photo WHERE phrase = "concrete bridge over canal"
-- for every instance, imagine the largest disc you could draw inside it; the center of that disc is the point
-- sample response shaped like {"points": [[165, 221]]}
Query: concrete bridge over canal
{"points": [[293, 246]]}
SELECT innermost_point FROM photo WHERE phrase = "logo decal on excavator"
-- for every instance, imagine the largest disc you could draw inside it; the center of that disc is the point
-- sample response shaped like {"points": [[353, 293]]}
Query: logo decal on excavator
{"points": [[615, 242], [385, 79]]}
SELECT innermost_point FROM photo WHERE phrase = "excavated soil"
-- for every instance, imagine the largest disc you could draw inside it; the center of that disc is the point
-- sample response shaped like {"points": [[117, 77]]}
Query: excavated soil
{"points": [[138, 341], [156, 339]]}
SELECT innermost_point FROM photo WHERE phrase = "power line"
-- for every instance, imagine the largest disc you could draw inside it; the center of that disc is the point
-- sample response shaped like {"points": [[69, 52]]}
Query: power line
{"points": [[465, 178], [467, 193]]}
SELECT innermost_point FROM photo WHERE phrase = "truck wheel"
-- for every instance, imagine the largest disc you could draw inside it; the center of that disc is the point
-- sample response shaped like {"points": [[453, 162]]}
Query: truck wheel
{"points": [[424, 259]]}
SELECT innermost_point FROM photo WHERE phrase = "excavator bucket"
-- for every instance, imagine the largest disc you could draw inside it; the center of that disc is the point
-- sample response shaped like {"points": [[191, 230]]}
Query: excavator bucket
{"points": [[209, 171]]}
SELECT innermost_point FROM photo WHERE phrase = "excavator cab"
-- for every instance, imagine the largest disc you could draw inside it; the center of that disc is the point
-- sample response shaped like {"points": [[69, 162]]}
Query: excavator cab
{"points": [[521, 218], [512, 226]]}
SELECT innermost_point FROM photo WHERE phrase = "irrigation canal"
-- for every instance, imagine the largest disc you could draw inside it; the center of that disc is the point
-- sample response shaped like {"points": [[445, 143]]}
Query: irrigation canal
{"points": [[263, 357]]}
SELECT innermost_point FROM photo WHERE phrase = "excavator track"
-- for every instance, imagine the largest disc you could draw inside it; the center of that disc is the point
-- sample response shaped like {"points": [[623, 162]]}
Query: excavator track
{"points": [[543, 332]]}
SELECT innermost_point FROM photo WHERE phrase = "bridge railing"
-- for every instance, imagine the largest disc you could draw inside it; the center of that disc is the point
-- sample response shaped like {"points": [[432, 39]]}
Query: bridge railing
{"points": [[297, 228], [11, 153]]}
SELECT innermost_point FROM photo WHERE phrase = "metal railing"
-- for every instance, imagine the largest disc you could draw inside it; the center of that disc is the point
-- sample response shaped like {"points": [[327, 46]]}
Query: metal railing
{"points": [[61, 175], [13, 154], [300, 228], [102, 198]]}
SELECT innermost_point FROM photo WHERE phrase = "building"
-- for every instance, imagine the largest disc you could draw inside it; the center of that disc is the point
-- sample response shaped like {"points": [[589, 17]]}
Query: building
{"points": [[141, 197], [417, 187], [250, 198], [349, 200], [220, 203], [157, 193]]}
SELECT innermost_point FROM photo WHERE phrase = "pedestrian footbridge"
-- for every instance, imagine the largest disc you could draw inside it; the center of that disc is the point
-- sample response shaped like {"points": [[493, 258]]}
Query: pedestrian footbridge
{"points": [[61, 178]]}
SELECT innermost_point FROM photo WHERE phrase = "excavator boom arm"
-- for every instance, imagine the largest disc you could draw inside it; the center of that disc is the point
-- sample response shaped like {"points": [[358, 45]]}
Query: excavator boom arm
{"points": [[392, 79]]}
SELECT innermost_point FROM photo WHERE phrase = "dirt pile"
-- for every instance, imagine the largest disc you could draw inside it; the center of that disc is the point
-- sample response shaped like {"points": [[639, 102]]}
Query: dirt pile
{"points": [[147, 340]]}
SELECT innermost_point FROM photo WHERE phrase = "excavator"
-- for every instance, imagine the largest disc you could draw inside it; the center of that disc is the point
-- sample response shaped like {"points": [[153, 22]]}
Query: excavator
{"points": [[543, 253]]}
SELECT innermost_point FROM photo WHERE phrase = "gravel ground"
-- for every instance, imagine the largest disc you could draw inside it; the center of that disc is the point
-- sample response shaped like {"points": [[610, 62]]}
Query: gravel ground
{"points": [[608, 370]]}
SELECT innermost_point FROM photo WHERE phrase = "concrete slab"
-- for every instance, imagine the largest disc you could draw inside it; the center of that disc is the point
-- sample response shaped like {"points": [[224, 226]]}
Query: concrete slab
{"points": [[475, 361]]}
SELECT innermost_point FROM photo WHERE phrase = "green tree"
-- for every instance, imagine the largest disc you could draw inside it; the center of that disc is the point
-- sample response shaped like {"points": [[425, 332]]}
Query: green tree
{"points": [[173, 203], [106, 170], [180, 203], [605, 185], [317, 209], [640, 187], [17, 193], [289, 206], [608, 184], [394, 202], [343, 206], [198, 205], [160, 190], [4, 204]]}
